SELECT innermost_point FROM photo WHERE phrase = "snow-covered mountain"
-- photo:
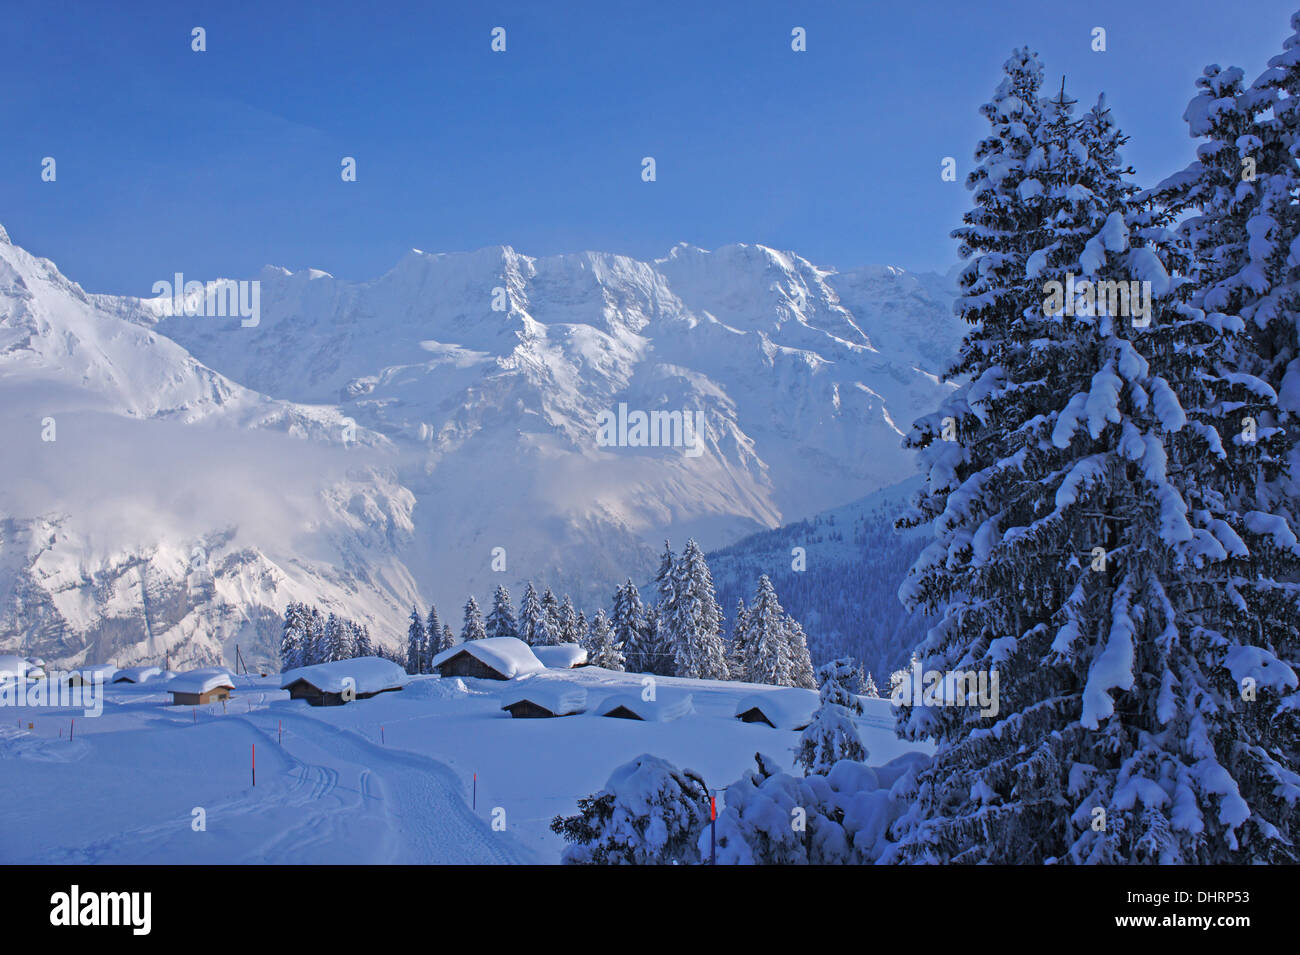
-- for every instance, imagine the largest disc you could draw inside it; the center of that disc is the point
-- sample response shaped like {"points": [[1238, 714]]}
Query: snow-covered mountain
{"points": [[476, 382], [150, 508]]}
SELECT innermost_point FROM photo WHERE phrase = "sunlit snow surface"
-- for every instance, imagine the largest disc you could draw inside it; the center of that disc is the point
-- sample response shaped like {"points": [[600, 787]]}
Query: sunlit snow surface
{"points": [[387, 779]]}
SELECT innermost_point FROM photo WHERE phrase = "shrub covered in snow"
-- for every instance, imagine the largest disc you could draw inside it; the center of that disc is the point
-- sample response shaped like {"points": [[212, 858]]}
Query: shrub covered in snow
{"points": [[649, 813], [841, 818]]}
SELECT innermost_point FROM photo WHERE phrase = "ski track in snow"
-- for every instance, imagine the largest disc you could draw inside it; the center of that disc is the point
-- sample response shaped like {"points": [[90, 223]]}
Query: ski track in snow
{"points": [[419, 801], [344, 800]]}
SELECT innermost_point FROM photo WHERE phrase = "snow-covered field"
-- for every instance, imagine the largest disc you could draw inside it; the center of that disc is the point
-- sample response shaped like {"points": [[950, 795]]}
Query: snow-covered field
{"points": [[385, 779]]}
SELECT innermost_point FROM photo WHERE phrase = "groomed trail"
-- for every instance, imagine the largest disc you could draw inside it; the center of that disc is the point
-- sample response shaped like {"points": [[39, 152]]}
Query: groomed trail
{"points": [[324, 795]]}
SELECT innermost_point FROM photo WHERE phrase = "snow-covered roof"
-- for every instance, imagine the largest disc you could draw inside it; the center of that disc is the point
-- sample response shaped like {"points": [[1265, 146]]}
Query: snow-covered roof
{"points": [[141, 674], [106, 671], [201, 680], [509, 656], [560, 698], [562, 657], [13, 666], [787, 708], [368, 675], [652, 711]]}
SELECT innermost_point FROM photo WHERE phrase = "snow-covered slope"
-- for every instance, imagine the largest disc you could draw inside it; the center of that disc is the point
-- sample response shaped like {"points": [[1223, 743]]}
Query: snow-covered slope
{"points": [[495, 410], [150, 507]]}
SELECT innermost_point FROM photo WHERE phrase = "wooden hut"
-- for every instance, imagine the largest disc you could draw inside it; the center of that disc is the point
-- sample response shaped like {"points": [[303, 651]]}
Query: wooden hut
{"points": [[333, 684], [493, 658], [543, 700], [201, 686]]}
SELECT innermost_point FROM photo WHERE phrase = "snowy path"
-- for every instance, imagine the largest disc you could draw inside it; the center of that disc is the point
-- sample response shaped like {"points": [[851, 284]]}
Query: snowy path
{"points": [[415, 803], [326, 796]]}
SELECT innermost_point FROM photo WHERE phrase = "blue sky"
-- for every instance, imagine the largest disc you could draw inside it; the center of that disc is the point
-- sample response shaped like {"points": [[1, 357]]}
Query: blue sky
{"points": [[217, 163]]}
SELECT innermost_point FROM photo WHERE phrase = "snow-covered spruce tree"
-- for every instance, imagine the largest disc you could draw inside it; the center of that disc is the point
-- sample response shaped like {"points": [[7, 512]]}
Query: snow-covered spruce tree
{"points": [[336, 639], [767, 649], [473, 628], [658, 649], [695, 624], [531, 616], [1235, 209], [294, 635], [416, 640], [313, 650], [570, 632], [501, 621], [448, 639], [549, 634], [602, 649], [1085, 549], [801, 673], [629, 627], [432, 640], [361, 643], [869, 688], [649, 813], [584, 629], [832, 734], [739, 640]]}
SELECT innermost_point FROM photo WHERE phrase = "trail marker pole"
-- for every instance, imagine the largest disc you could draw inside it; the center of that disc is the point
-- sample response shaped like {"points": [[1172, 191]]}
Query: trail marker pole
{"points": [[381, 734], [713, 830], [254, 764], [72, 729], [474, 805], [280, 731]]}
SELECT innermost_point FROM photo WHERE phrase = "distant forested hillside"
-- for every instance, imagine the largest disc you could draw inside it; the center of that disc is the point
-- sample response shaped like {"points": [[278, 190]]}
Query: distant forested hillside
{"points": [[846, 597]]}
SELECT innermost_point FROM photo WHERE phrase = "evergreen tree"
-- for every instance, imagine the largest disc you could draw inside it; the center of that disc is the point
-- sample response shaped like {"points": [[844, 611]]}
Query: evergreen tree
{"points": [[739, 641], [448, 638], [294, 636], [334, 644], [832, 735], [1083, 548], [473, 628], [695, 621], [629, 627], [314, 646], [657, 652], [365, 646], [801, 668], [433, 640], [501, 621], [603, 650], [584, 629], [549, 633], [531, 616], [570, 632]]}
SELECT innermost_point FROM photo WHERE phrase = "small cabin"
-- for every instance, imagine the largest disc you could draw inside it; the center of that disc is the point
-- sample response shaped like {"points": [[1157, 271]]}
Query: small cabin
{"points": [[630, 706], [201, 686], [492, 658], [103, 672], [563, 656], [540, 700], [340, 682], [787, 708], [138, 675]]}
